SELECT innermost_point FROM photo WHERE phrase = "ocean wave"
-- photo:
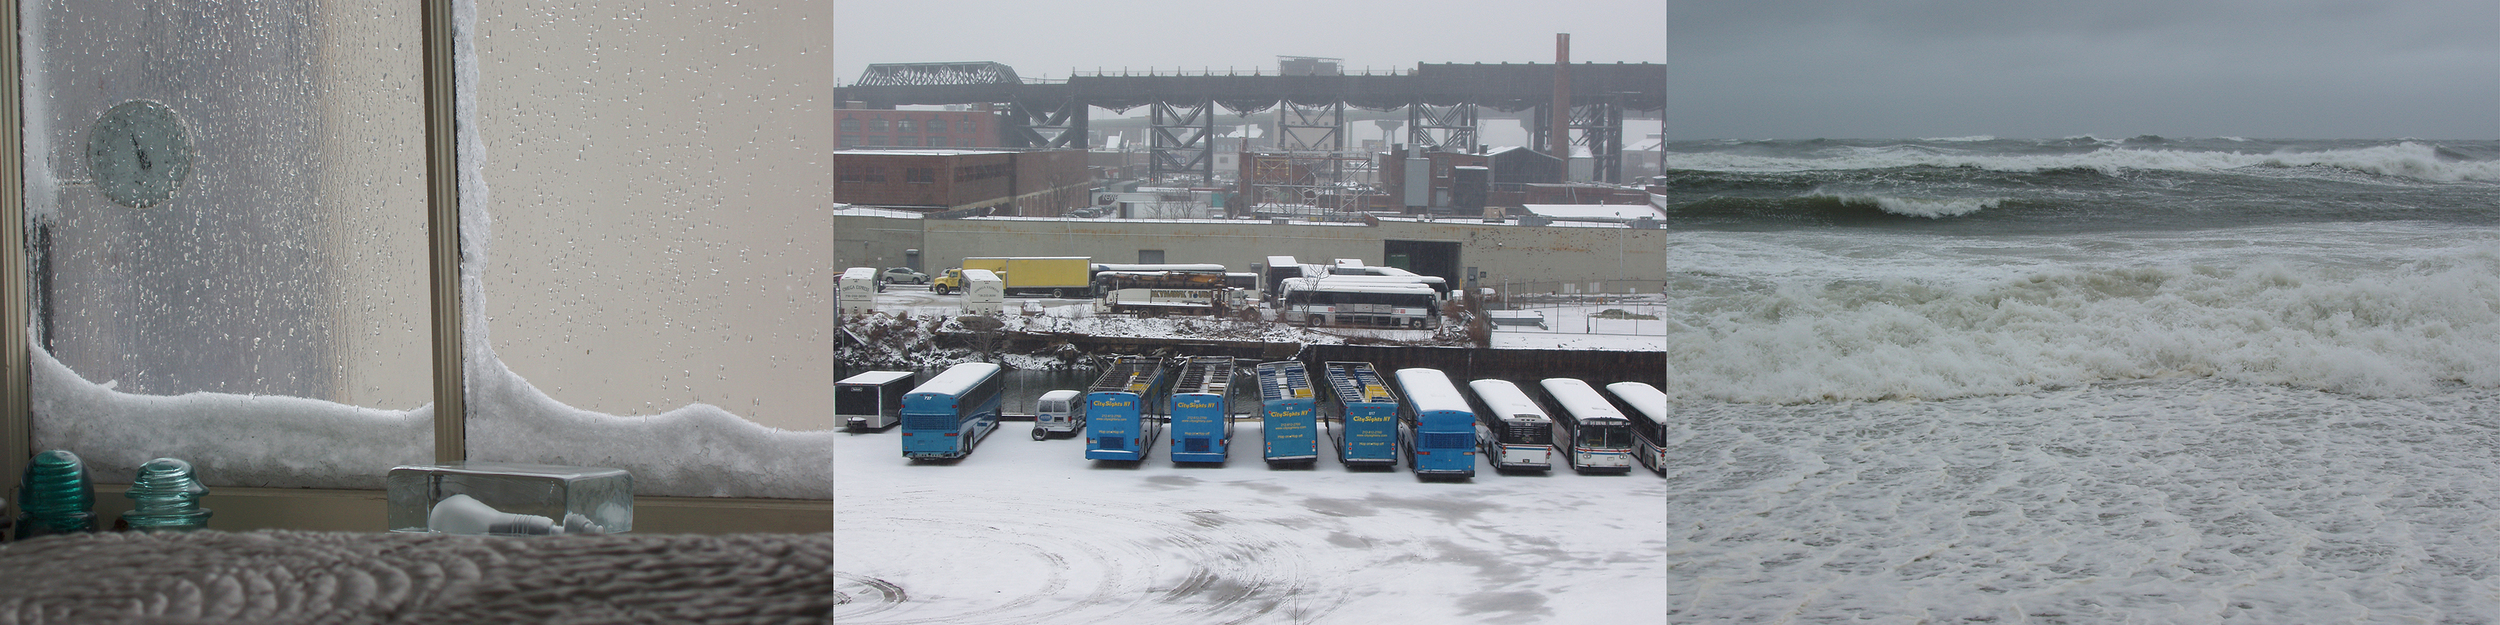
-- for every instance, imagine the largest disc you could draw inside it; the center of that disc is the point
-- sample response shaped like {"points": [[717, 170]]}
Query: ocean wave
{"points": [[1917, 207], [2403, 331], [2406, 160]]}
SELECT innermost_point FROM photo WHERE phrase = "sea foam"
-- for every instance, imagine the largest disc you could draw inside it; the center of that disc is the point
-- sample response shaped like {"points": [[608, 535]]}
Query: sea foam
{"points": [[2378, 327], [1917, 207]]}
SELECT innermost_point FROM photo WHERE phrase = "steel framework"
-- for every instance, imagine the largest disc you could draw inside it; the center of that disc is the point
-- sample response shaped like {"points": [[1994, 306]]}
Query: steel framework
{"points": [[1041, 123], [1596, 122], [1182, 140], [1450, 97], [1311, 139], [1446, 128], [937, 74]]}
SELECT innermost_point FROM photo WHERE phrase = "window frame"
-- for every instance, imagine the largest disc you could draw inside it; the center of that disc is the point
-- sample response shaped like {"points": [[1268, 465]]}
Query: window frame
{"points": [[246, 508]]}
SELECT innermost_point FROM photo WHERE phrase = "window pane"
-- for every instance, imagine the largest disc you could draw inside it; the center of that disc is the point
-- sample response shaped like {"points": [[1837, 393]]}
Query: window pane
{"points": [[271, 297], [660, 216]]}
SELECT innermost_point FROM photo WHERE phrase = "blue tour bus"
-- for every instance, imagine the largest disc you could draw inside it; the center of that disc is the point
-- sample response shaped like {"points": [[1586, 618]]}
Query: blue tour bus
{"points": [[1599, 438], [1363, 415], [1435, 424], [946, 416], [1118, 410], [1202, 423], [1286, 408]]}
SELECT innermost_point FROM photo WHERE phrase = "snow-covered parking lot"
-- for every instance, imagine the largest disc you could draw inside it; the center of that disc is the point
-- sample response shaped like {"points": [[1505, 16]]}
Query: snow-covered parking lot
{"points": [[1631, 323], [1031, 532]]}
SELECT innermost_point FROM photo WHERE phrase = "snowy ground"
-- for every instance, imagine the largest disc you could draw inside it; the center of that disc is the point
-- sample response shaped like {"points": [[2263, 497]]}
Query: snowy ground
{"points": [[1570, 323], [1031, 532]]}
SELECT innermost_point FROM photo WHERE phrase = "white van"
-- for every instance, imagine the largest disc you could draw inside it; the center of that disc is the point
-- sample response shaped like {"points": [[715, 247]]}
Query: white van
{"points": [[1058, 411]]}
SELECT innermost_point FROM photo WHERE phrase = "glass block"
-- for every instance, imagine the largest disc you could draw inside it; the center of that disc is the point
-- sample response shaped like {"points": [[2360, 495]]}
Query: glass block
{"points": [[510, 499]]}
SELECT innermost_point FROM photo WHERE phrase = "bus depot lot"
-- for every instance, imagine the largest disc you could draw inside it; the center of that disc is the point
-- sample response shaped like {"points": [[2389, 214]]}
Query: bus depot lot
{"points": [[1568, 326], [1026, 531]]}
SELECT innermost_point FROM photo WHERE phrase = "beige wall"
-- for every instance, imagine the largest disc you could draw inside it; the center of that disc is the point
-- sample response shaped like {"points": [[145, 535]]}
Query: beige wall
{"points": [[1616, 255], [660, 184], [878, 242]]}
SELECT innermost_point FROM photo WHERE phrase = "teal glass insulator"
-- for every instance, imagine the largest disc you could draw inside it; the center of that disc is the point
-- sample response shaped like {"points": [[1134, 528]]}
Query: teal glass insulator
{"points": [[165, 497], [56, 496]]}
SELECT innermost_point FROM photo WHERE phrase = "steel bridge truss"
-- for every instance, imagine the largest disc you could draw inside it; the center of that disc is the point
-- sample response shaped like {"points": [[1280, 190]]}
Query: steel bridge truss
{"points": [[1311, 138], [1053, 114], [1597, 125], [1446, 128], [1045, 124], [1182, 140]]}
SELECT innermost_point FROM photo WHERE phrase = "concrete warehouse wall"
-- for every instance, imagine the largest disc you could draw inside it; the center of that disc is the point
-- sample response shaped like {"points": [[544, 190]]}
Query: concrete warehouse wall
{"points": [[1623, 257]]}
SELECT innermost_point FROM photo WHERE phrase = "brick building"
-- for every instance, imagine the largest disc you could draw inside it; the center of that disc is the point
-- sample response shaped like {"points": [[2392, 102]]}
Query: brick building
{"points": [[1393, 176], [1040, 183], [874, 128]]}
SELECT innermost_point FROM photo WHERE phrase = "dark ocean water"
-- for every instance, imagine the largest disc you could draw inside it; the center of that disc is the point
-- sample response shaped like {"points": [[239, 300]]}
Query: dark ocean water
{"points": [[1985, 185]]}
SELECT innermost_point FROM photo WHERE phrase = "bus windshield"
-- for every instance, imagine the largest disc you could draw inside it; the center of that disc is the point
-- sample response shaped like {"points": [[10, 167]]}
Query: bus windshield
{"points": [[1529, 432], [1605, 436]]}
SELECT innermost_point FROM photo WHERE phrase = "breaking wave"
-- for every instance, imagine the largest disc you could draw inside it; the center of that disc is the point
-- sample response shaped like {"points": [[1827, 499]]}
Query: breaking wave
{"points": [[1917, 207], [2400, 331]]}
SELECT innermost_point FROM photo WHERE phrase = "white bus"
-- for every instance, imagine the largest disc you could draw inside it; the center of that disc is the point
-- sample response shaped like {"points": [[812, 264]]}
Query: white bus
{"points": [[1649, 421], [1389, 274], [1513, 430], [1340, 302], [1598, 437]]}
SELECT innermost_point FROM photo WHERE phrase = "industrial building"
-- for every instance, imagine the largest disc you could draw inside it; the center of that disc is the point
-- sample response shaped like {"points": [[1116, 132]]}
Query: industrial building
{"points": [[993, 182], [1611, 249], [975, 127]]}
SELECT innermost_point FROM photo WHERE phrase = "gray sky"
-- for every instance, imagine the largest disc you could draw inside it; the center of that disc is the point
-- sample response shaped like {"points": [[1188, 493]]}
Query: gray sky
{"points": [[1046, 38], [1752, 69]]}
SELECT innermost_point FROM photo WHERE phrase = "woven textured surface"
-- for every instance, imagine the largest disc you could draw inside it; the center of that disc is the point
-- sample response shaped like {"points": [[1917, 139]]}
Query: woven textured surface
{"points": [[330, 577]]}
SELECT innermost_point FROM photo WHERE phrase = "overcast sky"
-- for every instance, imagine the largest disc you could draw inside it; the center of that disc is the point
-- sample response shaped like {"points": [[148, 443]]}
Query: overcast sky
{"points": [[1046, 38], [2109, 68]]}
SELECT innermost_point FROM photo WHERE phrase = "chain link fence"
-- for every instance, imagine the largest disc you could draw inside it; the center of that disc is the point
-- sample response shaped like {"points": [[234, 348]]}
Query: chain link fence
{"points": [[1620, 307]]}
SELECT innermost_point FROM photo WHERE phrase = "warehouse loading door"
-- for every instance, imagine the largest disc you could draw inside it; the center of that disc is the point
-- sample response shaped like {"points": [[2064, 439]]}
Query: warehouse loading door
{"points": [[1431, 258]]}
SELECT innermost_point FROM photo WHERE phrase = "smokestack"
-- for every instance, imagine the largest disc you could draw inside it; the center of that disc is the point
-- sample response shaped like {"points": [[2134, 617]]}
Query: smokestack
{"points": [[1558, 132]]}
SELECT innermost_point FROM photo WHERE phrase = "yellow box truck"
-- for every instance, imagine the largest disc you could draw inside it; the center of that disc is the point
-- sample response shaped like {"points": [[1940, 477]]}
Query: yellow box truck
{"points": [[1054, 276]]}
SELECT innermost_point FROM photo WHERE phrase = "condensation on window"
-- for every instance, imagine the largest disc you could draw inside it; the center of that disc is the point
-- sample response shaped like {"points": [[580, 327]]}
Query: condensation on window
{"points": [[279, 262], [655, 304]]}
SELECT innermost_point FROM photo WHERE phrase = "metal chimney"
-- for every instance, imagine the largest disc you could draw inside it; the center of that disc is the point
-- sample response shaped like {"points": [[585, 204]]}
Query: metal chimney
{"points": [[1558, 133]]}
